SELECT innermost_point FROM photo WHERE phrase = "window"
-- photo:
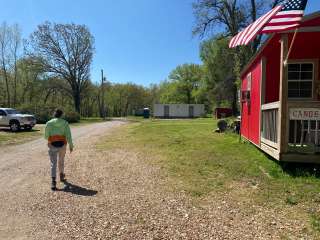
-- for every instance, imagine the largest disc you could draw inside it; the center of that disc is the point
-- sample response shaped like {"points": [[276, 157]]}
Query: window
{"points": [[12, 111], [249, 80], [246, 93], [246, 96], [2, 113], [300, 80]]}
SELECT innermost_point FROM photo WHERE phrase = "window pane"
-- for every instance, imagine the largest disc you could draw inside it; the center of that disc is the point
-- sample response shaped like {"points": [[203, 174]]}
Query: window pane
{"points": [[306, 76], [294, 67], [305, 93], [293, 94], [307, 67], [306, 86], [293, 85], [294, 75]]}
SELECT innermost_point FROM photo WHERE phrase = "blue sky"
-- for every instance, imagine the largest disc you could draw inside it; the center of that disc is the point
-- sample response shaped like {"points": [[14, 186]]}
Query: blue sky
{"points": [[138, 41]]}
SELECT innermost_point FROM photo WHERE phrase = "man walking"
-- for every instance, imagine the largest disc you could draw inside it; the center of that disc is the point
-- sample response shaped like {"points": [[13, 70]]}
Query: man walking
{"points": [[58, 134]]}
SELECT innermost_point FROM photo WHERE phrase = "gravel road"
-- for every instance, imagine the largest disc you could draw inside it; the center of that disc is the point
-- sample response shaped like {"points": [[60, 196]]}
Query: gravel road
{"points": [[116, 195]]}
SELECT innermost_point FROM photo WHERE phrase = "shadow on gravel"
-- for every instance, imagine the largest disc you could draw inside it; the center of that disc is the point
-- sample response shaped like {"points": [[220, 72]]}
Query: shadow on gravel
{"points": [[77, 190]]}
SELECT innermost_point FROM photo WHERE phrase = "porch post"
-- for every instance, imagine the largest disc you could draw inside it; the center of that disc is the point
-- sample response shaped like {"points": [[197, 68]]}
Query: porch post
{"points": [[262, 92], [283, 97]]}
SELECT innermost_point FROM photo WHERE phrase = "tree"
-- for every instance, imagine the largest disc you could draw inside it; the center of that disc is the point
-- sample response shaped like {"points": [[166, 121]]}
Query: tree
{"points": [[168, 93], [15, 45], [66, 51], [233, 15], [218, 61], [187, 78], [5, 57], [31, 74], [212, 13], [182, 85]]}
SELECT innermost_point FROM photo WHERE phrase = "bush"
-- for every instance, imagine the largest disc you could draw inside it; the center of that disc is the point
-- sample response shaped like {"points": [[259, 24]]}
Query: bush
{"points": [[72, 116]]}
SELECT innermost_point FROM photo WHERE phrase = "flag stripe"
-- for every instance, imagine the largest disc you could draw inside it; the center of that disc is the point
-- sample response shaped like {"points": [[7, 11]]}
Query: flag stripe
{"points": [[286, 16], [242, 36], [299, 12], [279, 25], [285, 27], [287, 19]]}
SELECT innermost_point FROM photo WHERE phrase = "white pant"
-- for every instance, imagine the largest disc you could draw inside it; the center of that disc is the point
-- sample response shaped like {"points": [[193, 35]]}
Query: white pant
{"points": [[54, 152]]}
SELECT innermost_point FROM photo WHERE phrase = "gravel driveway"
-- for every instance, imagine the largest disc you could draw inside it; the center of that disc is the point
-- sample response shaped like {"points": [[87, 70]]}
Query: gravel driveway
{"points": [[116, 195]]}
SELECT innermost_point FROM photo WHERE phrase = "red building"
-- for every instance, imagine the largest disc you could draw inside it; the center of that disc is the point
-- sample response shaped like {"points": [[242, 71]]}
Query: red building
{"points": [[223, 113], [281, 100]]}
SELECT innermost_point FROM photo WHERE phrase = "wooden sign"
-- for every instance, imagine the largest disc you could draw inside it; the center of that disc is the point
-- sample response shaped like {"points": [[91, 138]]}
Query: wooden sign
{"points": [[304, 114]]}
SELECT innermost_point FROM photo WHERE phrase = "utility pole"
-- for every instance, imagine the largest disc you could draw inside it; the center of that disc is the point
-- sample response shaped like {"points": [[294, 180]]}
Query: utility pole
{"points": [[103, 110]]}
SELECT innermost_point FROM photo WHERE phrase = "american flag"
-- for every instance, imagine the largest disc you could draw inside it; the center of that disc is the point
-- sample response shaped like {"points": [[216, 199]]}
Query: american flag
{"points": [[283, 17]]}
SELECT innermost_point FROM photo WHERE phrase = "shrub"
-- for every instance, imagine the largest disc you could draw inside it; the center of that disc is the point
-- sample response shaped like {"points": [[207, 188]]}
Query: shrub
{"points": [[291, 200], [72, 116]]}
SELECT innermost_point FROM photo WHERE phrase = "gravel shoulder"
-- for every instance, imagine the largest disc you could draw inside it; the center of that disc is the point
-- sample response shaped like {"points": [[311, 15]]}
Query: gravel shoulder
{"points": [[117, 195]]}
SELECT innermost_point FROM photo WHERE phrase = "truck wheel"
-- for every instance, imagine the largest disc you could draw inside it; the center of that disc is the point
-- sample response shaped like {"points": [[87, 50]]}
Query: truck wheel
{"points": [[14, 126]]}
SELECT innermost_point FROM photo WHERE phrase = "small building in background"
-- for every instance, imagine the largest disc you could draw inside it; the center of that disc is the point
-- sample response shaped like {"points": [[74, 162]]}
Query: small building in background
{"points": [[223, 113], [178, 110]]}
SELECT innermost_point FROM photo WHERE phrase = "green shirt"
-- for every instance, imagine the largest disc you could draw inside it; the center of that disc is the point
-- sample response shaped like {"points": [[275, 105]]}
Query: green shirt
{"points": [[58, 127]]}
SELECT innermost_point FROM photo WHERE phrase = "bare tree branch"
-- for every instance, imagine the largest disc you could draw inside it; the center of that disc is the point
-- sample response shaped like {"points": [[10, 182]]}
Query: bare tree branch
{"points": [[66, 50]]}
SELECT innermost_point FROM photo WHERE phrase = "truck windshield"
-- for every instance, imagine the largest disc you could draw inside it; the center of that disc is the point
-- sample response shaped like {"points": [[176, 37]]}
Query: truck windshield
{"points": [[12, 111]]}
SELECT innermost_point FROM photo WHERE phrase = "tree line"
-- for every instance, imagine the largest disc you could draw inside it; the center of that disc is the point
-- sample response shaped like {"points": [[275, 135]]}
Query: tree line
{"points": [[52, 67]]}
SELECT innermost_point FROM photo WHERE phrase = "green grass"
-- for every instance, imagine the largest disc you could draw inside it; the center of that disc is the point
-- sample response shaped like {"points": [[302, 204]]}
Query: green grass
{"points": [[8, 138], [84, 121], [315, 221], [201, 162]]}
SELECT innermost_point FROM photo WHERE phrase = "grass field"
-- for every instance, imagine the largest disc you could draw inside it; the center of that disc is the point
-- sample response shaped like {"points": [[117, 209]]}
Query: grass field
{"points": [[203, 163]]}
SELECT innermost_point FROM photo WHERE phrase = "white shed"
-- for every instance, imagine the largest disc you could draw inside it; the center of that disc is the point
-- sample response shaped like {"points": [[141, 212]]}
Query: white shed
{"points": [[178, 110]]}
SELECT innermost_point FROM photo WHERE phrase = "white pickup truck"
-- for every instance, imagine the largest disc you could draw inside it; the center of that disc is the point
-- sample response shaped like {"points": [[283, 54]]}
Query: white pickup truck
{"points": [[15, 120]]}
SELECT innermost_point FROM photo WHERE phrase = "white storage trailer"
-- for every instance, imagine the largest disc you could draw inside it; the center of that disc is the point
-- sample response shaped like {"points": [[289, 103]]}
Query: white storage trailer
{"points": [[178, 110]]}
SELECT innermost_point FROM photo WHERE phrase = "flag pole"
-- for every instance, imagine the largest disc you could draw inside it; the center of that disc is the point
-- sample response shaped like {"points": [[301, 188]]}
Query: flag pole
{"points": [[291, 45]]}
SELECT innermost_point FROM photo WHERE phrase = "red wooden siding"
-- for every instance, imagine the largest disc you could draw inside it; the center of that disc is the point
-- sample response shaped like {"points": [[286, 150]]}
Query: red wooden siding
{"points": [[250, 122], [272, 84]]}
